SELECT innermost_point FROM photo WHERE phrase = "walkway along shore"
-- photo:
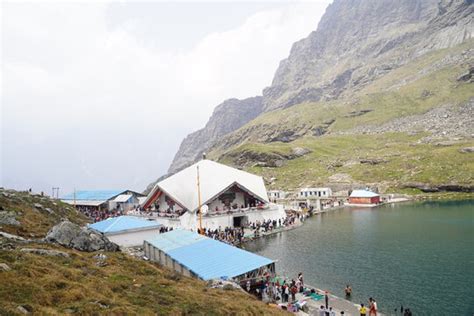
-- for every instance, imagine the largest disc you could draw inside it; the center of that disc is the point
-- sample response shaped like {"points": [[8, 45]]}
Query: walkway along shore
{"points": [[337, 303]]}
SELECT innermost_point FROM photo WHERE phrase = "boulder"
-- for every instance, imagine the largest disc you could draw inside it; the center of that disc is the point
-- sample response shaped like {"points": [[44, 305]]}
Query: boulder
{"points": [[11, 236], [24, 309], [4, 267], [8, 218], [298, 151], [71, 235], [467, 150], [38, 206], [223, 284]]}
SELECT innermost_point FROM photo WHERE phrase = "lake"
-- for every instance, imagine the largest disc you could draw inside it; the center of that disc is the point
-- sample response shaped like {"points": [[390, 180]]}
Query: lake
{"points": [[419, 255]]}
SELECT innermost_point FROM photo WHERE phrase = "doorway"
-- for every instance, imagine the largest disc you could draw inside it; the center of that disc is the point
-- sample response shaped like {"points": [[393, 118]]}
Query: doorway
{"points": [[240, 221]]}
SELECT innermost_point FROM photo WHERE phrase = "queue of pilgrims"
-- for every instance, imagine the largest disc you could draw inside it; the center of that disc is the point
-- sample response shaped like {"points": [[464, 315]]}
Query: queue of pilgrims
{"points": [[236, 235]]}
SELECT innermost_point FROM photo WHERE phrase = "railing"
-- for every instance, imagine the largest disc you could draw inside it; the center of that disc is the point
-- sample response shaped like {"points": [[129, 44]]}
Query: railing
{"points": [[237, 211]]}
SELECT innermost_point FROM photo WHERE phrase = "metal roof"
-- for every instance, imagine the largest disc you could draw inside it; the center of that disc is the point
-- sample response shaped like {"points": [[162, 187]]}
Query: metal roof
{"points": [[175, 239], [85, 202], [123, 223], [206, 257], [363, 193], [122, 198], [214, 178], [93, 195]]}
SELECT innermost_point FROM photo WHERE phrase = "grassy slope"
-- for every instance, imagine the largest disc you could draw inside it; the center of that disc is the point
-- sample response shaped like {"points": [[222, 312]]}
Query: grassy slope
{"points": [[56, 285], [407, 160], [36, 222]]}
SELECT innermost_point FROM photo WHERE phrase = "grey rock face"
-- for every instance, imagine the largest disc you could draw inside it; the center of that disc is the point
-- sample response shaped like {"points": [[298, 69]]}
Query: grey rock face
{"points": [[71, 235], [226, 118], [358, 41], [441, 122], [440, 188]]}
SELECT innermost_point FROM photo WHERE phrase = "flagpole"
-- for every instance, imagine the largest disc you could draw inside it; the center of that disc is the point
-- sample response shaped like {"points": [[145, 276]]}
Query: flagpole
{"points": [[199, 202]]}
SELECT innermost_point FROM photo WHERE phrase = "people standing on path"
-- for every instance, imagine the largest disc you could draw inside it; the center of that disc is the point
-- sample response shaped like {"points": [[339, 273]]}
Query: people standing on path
{"points": [[372, 307], [348, 291], [293, 291], [331, 312], [285, 292], [300, 278], [362, 310], [322, 311]]}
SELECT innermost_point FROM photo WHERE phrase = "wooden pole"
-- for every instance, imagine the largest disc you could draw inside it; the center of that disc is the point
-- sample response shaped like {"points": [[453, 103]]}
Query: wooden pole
{"points": [[199, 203]]}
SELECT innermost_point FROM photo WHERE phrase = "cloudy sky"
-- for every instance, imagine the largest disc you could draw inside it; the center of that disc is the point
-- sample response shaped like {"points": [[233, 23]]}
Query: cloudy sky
{"points": [[100, 95]]}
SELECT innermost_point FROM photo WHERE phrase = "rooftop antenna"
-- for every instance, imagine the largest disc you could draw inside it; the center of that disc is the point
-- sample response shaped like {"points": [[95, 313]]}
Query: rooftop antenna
{"points": [[199, 202]]}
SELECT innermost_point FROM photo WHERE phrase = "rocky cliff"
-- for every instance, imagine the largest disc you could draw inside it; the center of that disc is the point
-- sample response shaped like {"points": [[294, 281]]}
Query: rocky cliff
{"points": [[227, 117], [371, 70], [358, 41]]}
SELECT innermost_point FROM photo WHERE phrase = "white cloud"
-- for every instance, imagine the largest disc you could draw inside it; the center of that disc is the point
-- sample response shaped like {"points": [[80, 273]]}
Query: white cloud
{"points": [[79, 95]]}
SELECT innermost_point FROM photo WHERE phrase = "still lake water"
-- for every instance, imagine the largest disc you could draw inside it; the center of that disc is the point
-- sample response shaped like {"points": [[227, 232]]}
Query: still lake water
{"points": [[419, 255]]}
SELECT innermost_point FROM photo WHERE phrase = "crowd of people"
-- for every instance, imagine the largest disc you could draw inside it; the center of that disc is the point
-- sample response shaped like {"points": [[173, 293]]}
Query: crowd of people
{"points": [[97, 214], [269, 225], [230, 235], [282, 292], [237, 235]]}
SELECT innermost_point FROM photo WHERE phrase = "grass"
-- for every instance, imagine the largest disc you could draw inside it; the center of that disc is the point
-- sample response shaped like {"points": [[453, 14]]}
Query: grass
{"points": [[51, 285], [406, 160], [397, 94], [382, 97], [36, 222], [125, 286]]}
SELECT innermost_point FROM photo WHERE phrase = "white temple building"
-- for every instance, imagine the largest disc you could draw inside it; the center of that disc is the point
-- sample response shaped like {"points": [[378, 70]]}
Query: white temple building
{"points": [[230, 198]]}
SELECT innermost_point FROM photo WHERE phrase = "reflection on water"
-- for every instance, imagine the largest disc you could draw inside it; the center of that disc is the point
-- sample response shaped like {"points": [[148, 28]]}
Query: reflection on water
{"points": [[419, 255]]}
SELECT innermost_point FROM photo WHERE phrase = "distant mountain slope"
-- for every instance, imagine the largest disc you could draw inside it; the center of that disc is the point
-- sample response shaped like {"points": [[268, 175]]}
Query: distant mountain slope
{"points": [[358, 41], [374, 72], [227, 117]]}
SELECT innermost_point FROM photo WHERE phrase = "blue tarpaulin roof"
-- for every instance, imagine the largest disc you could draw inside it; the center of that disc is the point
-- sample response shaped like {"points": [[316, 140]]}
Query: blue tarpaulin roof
{"points": [[121, 223], [206, 257], [97, 195], [175, 239]]}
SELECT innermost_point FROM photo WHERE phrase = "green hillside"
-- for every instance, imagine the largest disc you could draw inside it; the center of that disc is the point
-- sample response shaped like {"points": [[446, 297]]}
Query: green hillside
{"points": [[362, 125], [81, 283]]}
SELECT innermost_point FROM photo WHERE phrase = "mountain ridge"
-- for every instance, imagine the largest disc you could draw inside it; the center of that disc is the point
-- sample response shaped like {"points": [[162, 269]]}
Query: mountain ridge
{"points": [[362, 57]]}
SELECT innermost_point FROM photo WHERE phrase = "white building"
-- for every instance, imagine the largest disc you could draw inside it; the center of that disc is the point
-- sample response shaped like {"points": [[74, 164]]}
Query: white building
{"points": [[315, 193], [127, 231], [230, 197], [274, 195], [122, 200]]}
